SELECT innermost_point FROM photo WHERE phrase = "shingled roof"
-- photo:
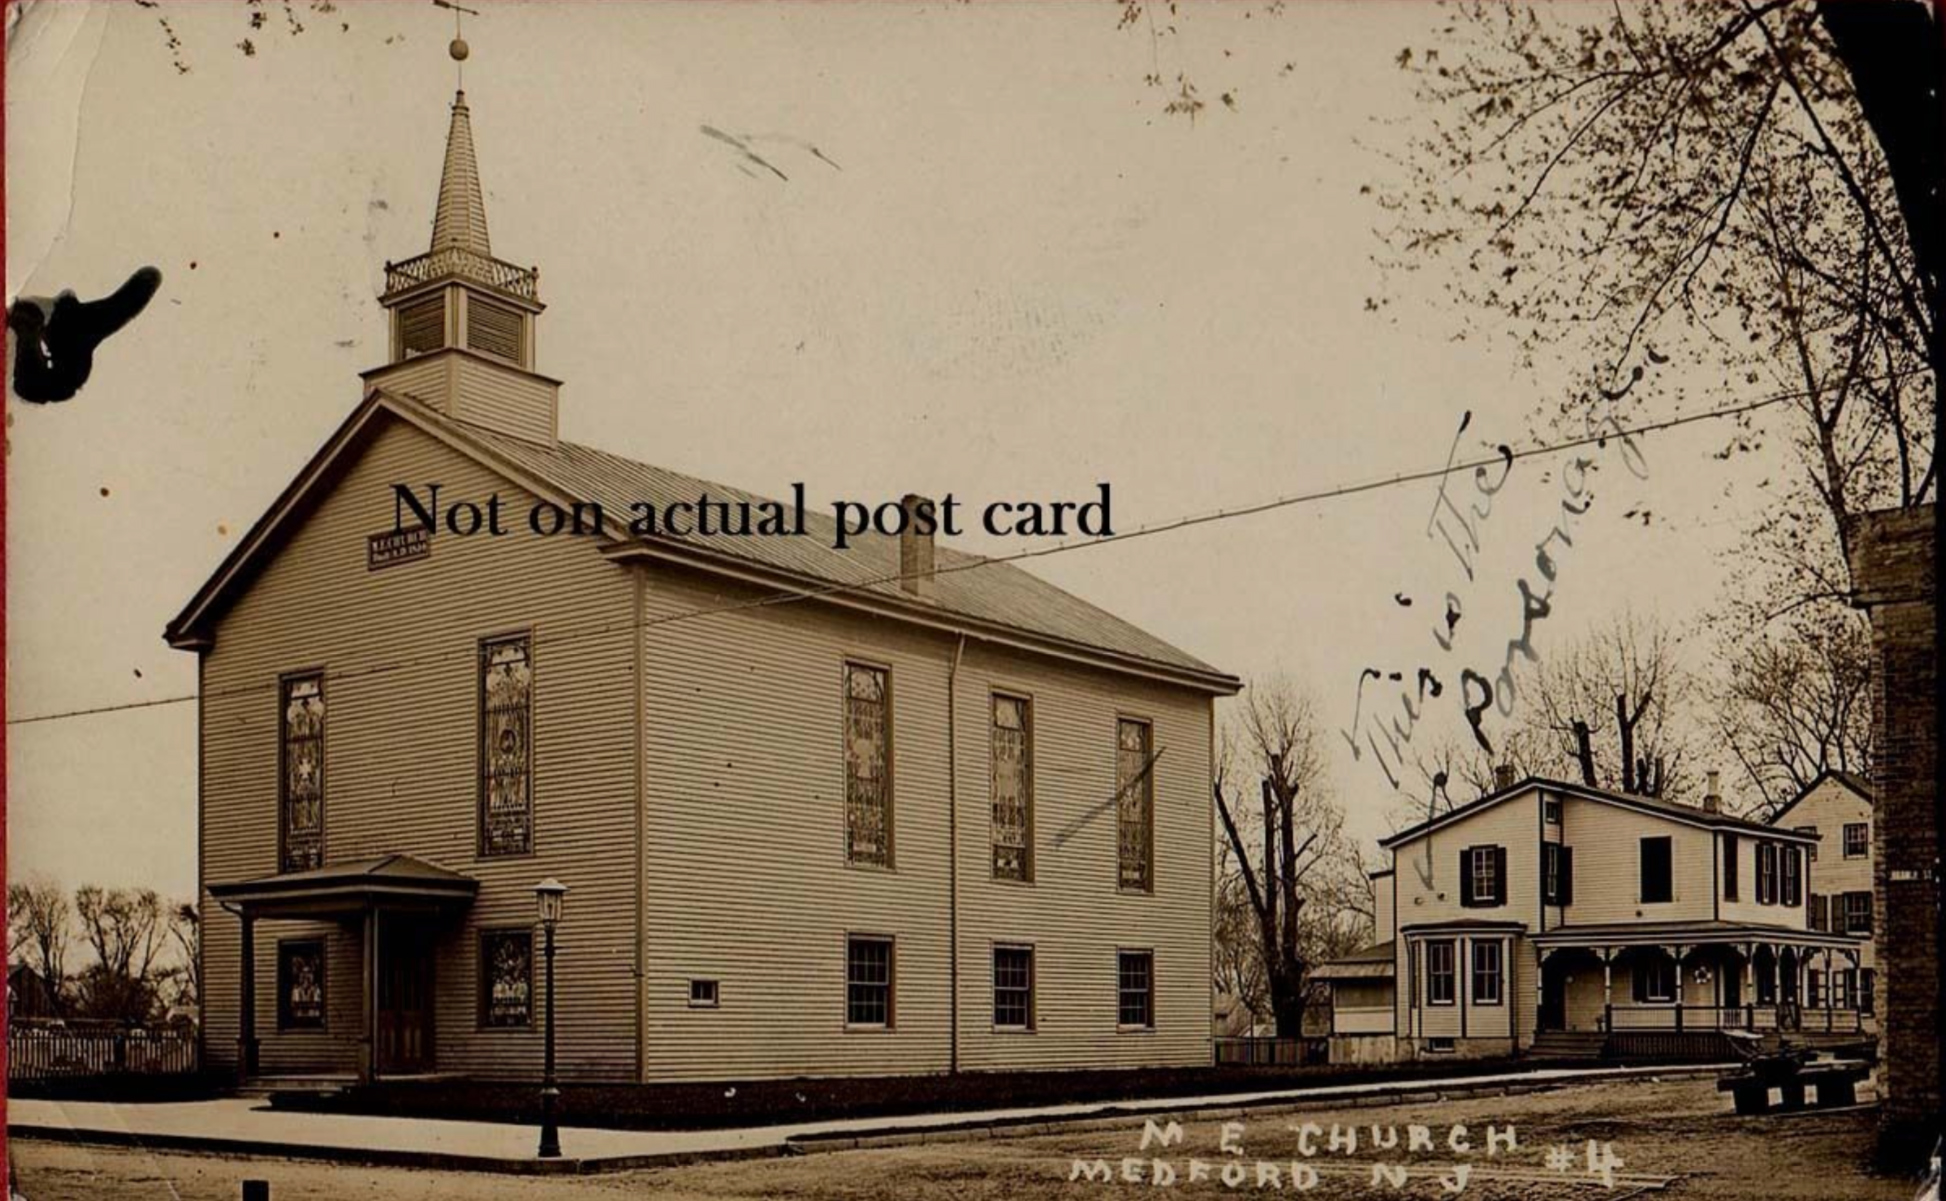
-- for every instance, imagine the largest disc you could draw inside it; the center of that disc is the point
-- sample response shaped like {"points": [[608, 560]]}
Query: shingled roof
{"points": [[968, 590]]}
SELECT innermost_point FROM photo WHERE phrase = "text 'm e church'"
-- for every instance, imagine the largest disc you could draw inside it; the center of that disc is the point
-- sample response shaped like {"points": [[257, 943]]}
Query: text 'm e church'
{"points": [[928, 818]]}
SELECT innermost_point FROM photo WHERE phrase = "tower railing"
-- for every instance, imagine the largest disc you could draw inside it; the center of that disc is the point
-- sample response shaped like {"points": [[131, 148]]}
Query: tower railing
{"points": [[465, 264]]}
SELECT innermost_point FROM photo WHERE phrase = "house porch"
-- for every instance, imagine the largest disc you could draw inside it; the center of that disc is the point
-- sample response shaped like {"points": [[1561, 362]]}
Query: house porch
{"points": [[1628, 979]]}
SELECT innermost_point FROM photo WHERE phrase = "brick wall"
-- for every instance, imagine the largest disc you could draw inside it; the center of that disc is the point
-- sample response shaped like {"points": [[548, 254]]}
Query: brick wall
{"points": [[1892, 579]]}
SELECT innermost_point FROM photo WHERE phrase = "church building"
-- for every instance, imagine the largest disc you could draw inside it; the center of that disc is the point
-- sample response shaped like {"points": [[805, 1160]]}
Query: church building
{"points": [[887, 809]]}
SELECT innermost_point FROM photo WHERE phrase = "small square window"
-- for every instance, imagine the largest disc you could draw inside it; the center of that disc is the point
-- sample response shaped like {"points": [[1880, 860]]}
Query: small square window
{"points": [[702, 994], [1551, 810]]}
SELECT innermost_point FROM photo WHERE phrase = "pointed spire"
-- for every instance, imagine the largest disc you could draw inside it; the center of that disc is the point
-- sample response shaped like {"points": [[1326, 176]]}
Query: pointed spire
{"points": [[461, 217]]}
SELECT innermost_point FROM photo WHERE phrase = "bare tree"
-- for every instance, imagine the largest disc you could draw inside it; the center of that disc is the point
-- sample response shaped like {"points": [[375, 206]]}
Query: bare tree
{"points": [[186, 937], [127, 929], [1612, 710], [1750, 185], [1797, 703], [40, 925], [1297, 881]]}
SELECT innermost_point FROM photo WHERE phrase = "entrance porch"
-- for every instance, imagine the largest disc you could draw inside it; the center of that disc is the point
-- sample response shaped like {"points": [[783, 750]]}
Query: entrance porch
{"points": [[1627, 979], [392, 910]]}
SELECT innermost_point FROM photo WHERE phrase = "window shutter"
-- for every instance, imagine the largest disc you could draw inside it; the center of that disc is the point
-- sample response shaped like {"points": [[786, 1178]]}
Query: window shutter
{"points": [[1466, 877], [1567, 875], [1500, 875], [1729, 867]]}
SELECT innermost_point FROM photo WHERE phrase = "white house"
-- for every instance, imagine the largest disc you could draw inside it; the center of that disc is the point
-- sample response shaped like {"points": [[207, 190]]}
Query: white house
{"points": [[1837, 806], [1559, 919]]}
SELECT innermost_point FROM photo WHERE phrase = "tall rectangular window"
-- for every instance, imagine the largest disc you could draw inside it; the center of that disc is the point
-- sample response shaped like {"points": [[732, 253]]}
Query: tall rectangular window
{"points": [[301, 778], [1791, 863], [1858, 913], [1486, 973], [1013, 789], [1135, 803], [1658, 883], [300, 984], [1013, 988], [506, 978], [1766, 873], [1483, 876], [868, 981], [1730, 845], [1135, 989], [506, 746], [1557, 864], [1857, 840], [868, 765], [1440, 972]]}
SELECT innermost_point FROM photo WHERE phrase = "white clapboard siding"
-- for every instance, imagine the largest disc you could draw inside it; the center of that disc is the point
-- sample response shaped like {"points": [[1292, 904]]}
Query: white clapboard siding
{"points": [[747, 882], [401, 768]]}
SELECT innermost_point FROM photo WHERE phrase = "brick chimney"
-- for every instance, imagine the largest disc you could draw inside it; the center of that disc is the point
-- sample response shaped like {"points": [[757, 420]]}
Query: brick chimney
{"points": [[1712, 799], [915, 548], [1503, 776]]}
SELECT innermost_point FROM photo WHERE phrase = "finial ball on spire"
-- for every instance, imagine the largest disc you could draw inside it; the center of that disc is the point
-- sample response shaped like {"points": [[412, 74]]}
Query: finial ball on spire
{"points": [[458, 50]]}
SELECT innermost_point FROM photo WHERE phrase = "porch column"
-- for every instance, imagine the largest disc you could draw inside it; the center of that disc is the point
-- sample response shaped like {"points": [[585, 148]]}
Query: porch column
{"points": [[1750, 985], [1540, 986], [1679, 952], [246, 1034], [1830, 990], [1608, 989], [368, 1039]]}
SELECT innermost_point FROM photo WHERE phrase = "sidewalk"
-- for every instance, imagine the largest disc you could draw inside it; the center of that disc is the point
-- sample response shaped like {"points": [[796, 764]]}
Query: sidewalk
{"points": [[247, 1126]]}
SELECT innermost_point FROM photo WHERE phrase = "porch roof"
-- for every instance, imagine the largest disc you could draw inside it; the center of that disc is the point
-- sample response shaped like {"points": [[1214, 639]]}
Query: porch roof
{"points": [[1628, 934], [394, 880], [1369, 963]]}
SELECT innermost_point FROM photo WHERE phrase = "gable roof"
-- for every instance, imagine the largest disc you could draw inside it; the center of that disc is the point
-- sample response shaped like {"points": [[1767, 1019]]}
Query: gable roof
{"points": [[1850, 781], [1686, 814], [971, 594]]}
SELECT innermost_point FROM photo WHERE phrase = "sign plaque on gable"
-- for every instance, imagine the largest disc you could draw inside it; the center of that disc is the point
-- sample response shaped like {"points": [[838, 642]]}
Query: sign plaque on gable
{"points": [[397, 546]]}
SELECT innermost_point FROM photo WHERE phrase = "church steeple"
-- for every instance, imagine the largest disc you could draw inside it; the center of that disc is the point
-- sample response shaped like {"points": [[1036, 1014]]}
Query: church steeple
{"points": [[463, 320], [460, 219]]}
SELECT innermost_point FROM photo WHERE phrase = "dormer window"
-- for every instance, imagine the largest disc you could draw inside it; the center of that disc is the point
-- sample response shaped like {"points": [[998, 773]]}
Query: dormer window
{"points": [[422, 326]]}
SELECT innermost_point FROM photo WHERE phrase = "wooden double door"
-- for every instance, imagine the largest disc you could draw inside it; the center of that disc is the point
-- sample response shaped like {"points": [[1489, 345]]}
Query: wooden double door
{"points": [[404, 1002]]}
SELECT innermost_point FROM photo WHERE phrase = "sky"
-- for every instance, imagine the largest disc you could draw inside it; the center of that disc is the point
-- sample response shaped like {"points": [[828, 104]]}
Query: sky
{"points": [[987, 261]]}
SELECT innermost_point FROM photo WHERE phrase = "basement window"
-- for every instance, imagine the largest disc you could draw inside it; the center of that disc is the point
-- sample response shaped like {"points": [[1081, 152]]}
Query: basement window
{"points": [[1439, 1046]]}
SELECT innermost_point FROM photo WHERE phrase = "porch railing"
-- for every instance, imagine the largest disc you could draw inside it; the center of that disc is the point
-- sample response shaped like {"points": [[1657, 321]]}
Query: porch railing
{"points": [[58, 1050], [1269, 1052], [1756, 1018]]}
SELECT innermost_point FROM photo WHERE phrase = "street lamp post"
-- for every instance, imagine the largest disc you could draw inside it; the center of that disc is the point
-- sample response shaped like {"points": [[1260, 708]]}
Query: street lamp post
{"points": [[548, 895]]}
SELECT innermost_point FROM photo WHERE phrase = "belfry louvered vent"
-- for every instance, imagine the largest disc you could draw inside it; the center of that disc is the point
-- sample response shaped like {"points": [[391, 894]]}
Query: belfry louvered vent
{"points": [[422, 326], [493, 329]]}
